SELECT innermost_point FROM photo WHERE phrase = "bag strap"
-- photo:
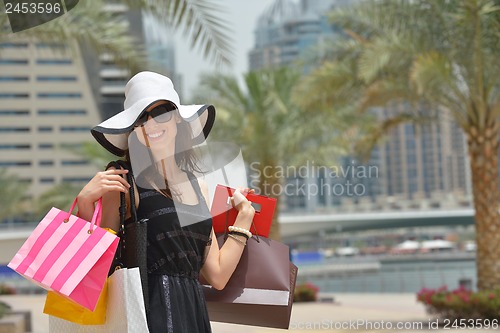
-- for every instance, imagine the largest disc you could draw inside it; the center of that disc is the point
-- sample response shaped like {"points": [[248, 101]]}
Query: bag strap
{"points": [[135, 224], [130, 179]]}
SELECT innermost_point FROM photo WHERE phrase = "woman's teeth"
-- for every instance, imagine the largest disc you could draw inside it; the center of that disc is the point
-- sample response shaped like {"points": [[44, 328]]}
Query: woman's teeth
{"points": [[155, 135]]}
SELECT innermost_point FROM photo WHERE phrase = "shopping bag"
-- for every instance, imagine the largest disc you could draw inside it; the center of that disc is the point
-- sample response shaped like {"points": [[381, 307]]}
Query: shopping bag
{"points": [[61, 307], [125, 311], [68, 255], [224, 214], [260, 291]]}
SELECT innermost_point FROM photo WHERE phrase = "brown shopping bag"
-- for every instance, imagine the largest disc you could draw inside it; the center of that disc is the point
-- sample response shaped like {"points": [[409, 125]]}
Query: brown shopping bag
{"points": [[260, 291]]}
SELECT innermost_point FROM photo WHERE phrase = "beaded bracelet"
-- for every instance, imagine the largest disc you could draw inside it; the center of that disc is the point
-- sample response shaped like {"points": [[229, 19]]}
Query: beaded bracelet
{"points": [[245, 231], [236, 239]]}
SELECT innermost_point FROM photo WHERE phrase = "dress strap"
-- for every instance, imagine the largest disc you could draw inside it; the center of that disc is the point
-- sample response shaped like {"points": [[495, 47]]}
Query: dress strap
{"points": [[196, 185]]}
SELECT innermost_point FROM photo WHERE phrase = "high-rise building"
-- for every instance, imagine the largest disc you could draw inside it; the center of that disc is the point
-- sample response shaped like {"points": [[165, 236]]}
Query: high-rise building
{"points": [[46, 108], [426, 162], [160, 48], [288, 29]]}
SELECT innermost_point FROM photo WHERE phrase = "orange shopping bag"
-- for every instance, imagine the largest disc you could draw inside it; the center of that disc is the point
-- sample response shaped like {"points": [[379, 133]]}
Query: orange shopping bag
{"points": [[62, 307]]}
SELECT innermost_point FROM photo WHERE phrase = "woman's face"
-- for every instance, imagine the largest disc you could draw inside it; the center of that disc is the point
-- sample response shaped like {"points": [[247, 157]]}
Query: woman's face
{"points": [[157, 129]]}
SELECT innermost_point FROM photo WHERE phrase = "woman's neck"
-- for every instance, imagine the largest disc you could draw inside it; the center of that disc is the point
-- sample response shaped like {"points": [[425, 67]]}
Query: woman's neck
{"points": [[169, 169]]}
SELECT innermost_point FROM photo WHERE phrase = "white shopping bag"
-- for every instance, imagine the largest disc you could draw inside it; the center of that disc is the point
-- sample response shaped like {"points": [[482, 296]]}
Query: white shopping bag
{"points": [[125, 311]]}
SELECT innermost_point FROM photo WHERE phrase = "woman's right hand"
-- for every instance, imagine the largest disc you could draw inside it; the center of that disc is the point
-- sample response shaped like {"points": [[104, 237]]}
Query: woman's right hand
{"points": [[241, 203], [102, 183]]}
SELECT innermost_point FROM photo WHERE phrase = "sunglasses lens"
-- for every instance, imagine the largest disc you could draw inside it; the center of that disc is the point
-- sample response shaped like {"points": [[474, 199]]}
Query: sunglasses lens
{"points": [[161, 114], [142, 120]]}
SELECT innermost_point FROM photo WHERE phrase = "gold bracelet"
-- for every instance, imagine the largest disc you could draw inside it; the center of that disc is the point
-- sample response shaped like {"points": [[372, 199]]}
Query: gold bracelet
{"points": [[236, 239]]}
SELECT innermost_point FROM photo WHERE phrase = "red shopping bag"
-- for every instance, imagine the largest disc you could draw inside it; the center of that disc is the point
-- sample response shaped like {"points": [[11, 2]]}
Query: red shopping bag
{"points": [[224, 215], [68, 255]]}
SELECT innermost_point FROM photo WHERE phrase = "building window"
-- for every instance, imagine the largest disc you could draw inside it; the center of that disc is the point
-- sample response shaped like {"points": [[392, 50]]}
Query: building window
{"points": [[54, 61], [45, 129], [14, 163], [50, 45], [14, 129], [45, 146], [46, 163], [72, 163], [76, 179], [71, 146], [13, 146], [7, 45], [14, 95], [74, 129], [56, 78], [14, 78], [47, 180], [59, 95], [13, 61], [14, 113], [48, 112]]}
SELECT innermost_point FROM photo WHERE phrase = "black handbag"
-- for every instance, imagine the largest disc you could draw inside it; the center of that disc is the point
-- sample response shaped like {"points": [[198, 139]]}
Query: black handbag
{"points": [[132, 249]]}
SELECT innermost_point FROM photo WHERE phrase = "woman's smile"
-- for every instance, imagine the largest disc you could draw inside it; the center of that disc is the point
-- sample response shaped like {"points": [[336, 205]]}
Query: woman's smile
{"points": [[155, 135]]}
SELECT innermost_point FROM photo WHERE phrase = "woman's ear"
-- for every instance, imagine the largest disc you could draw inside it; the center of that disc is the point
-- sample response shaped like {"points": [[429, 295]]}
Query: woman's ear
{"points": [[177, 118]]}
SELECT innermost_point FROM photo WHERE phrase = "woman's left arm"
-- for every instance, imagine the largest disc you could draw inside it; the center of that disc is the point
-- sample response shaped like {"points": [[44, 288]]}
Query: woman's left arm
{"points": [[221, 263]]}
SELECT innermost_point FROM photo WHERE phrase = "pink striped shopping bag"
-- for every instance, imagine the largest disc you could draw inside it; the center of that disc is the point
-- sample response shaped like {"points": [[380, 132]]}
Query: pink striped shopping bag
{"points": [[68, 255]]}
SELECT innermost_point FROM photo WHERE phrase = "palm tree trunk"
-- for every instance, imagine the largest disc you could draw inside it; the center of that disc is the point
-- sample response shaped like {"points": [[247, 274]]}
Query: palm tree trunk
{"points": [[269, 186], [483, 152]]}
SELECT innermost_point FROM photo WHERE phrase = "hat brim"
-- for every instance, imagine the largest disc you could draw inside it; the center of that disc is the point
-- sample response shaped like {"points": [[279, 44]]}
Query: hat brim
{"points": [[112, 133]]}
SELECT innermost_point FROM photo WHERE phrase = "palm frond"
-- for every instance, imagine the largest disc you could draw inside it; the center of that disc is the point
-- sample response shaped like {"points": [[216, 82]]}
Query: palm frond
{"points": [[200, 21], [12, 192], [61, 196], [433, 75]]}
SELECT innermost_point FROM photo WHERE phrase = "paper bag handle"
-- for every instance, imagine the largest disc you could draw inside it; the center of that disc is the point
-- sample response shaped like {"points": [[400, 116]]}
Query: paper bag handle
{"points": [[96, 218]]}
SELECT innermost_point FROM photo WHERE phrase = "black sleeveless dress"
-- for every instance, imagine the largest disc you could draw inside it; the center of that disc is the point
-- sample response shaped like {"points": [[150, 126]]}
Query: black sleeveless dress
{"points": [[176, 254]]}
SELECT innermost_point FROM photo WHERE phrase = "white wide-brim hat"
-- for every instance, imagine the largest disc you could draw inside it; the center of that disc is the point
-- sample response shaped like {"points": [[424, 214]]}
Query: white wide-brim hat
{"points": [[143, 90]]}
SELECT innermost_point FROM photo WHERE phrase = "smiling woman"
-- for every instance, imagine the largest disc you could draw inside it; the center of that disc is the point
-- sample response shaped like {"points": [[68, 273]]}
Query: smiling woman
{"points": [[156, 134]]}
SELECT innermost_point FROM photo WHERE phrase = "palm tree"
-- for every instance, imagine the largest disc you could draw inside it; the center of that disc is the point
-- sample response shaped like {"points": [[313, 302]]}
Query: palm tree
{"points": [[90, 25], [439, 53], [12, 193], [62, 195], [272, 131]]}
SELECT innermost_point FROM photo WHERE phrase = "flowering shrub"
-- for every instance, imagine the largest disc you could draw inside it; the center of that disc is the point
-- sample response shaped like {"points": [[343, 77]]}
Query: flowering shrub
{"points": [[461, 303], [6, 290], [305, 292]]}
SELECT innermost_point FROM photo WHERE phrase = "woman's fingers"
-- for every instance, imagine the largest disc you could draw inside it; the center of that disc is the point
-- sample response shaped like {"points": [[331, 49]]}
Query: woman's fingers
{"points": [[117, 185], [238, 197], [116, 171], [119, 179]]}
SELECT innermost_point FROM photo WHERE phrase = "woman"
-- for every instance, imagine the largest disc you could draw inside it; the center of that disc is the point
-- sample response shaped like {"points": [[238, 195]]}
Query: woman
{"points": [[156, 133]]}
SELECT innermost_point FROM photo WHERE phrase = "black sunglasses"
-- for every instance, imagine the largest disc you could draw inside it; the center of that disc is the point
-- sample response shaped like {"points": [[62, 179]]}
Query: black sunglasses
{"points": [[161, 114]]}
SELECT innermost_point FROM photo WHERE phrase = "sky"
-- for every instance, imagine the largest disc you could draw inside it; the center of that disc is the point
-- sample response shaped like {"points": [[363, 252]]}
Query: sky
{"points": [[242, 18]]}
